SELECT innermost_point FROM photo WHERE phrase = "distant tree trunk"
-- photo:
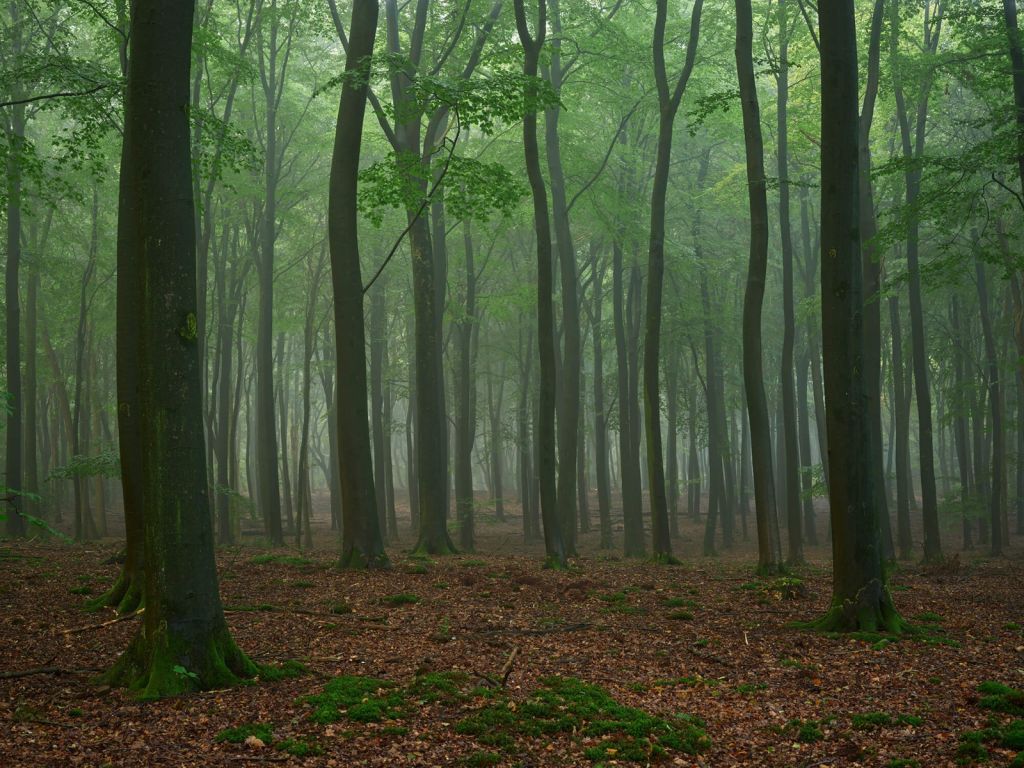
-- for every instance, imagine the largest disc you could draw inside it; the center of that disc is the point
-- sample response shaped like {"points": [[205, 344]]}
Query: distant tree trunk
{"points": [[523, 440], [629, 469], [184, 626], [768, 546], [362, 542], [807, 475], [672, 438], [929, 500], [494, 413], [995, 400], [34, 426], [788, 437], [304, 507], [13, 478], [554, 545], [412, 476], [378, 345], [389, 460], [745, 469], [465, 423], [604, 495], [963, 454], [901, 406], [283, 356], [860, 598], [266, 430], [583, 495], [692, 461]]}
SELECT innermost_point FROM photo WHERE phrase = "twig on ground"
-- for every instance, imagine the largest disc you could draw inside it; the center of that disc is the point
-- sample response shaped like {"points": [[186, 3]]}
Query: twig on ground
{"points": [[126, 617]]}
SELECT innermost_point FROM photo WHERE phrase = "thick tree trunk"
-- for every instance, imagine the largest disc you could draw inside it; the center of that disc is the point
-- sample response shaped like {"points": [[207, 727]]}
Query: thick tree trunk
{"points": [[860, 597], [569, 380], [184, 626], [362, 542]]}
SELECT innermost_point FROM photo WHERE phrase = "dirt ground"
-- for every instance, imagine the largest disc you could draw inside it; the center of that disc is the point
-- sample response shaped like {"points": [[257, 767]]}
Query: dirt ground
{"points": [[704, 639]]}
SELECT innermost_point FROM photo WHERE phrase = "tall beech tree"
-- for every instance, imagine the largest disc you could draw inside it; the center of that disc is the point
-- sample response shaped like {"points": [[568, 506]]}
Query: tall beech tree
{"points": [[184, 626], [554, 544], [913, 143], [860, 597], [769, 555], [668, 105], [362, 542]]}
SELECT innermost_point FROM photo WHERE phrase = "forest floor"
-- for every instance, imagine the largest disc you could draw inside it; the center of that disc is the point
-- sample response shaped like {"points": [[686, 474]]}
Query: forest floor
{"points": [[433, 637]]}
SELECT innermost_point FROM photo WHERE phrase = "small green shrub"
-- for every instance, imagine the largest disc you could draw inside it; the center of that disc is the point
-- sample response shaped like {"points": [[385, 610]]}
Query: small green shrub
{"points": [[928, 617], [681, 616], [341, 608], [363, 699]]}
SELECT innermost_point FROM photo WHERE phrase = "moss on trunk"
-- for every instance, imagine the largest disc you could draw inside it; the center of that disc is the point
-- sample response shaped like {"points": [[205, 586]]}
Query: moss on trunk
{"points": [[178, 659]]}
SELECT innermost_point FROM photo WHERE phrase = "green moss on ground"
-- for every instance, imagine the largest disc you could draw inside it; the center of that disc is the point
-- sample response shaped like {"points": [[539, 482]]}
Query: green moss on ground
{"points": [[863, 721], [567, 706]]}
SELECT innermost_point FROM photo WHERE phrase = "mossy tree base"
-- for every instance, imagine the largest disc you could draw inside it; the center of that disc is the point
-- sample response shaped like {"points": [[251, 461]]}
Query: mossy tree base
{"points": [[870, 610], [355, 559], [176, 661], [436, 544], [125, 596]]}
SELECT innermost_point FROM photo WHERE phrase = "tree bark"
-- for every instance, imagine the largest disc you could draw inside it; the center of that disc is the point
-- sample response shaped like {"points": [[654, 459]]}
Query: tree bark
{"points": [[183, 627], [769, 553], [860, 597], [362, 542], [554, 545]]}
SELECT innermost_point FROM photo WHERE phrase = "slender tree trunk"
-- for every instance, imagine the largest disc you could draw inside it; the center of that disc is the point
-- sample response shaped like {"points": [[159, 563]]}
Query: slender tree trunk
{"points": [[604, 495], [963, 454], [789, 417], [929, 500], [995, 399], [768, 546], [378, 345], [13, 478], [668, 103], [554, 545], [465, 423]]}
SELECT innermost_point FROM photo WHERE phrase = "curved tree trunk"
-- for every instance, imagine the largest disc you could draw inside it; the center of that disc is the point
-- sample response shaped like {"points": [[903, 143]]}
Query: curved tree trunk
{"points": [[769, 553], [554, 546]]}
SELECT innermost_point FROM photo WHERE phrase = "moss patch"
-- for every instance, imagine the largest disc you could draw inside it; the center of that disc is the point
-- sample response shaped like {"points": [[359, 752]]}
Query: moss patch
{"points": [[570, 706]]}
